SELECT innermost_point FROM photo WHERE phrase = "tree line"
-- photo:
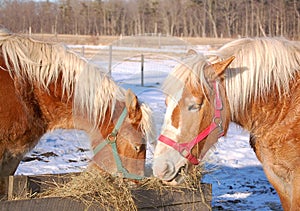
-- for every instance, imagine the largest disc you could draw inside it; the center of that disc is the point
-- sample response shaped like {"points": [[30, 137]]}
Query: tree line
{"points": [[194, 18]]}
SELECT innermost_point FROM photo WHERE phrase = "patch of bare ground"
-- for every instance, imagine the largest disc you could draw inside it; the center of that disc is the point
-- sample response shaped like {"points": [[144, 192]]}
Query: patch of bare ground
{"points": [[76, 39], [207, 40], [106, 40]]}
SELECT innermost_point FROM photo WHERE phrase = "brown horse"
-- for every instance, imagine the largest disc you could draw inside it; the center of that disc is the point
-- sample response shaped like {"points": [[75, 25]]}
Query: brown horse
{"points": [[44, 86], [260, 90]]}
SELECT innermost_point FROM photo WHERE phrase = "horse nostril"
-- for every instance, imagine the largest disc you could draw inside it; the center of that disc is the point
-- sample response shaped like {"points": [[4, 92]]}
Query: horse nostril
{"points": [[164, 170], [169, 167]]}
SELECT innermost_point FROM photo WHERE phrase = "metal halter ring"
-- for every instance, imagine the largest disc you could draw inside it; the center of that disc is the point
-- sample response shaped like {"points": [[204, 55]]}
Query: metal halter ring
{"points": [[111, 138], [218, 121]]}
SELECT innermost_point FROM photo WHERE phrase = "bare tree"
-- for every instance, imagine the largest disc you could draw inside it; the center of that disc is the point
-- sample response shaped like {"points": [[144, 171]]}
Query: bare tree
{"points": [[229, 9], [205, 18], [211, 7]]}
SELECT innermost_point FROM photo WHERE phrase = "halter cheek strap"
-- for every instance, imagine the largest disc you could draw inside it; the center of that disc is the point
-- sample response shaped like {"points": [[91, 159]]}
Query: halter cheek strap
{"points": [[111, 139], [185, 149], [113, 134]]}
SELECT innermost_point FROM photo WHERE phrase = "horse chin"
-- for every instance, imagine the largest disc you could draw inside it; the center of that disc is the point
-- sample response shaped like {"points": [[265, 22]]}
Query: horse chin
{"points": [[178, 178]]}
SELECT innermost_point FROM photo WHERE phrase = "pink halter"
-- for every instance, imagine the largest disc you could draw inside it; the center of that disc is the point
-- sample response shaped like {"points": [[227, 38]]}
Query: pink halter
{"points": [[185, 149]]}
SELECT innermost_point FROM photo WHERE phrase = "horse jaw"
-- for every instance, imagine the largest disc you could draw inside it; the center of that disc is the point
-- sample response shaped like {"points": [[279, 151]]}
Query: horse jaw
{"points": [[168, 165]]}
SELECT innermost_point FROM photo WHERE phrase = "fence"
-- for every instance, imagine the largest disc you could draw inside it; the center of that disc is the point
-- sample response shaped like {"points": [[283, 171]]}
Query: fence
{"points": [[139, 60]]}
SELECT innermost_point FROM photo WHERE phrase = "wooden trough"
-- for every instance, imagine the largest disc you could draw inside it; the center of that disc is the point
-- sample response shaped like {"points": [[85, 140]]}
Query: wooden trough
{"points": [[17, 186]]}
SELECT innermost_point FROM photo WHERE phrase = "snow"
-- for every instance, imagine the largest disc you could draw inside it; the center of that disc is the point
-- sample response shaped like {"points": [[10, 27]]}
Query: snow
{"points": [[237, 178]]}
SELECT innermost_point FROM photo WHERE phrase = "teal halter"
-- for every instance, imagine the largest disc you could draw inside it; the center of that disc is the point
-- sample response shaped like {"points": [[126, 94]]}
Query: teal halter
{"points": [[111, 139]]}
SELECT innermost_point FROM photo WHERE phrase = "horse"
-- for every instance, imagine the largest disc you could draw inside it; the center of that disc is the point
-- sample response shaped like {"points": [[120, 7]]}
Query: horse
{"points": [[45, 86], [254, 82]]}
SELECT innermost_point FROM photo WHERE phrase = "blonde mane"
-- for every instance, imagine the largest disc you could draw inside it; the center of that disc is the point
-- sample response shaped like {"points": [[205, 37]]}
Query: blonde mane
{"points": [[191, 68], [261, 66], [44, 63]]}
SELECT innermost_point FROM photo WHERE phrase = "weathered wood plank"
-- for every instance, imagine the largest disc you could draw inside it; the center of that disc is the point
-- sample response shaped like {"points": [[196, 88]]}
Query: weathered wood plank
{"points": [[175, 199], [68, 204], [44, 204], [17, 186]]}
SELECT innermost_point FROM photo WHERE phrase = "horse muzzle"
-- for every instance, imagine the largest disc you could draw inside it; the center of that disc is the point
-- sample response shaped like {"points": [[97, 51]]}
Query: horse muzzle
{"points": [[169, 171]]}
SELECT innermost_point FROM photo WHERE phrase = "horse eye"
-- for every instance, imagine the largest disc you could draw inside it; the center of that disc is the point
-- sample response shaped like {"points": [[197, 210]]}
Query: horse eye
{"points": [[137, 148], [194, 107]]}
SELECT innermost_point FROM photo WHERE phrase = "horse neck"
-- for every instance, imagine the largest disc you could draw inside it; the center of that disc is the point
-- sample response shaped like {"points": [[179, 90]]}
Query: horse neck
{"points": [[56, 108], [268, 111], [59, 109]]}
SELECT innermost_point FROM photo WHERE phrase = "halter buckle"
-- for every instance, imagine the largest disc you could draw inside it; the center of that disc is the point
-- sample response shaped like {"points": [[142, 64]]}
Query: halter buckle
{"points": [[184, 152]]}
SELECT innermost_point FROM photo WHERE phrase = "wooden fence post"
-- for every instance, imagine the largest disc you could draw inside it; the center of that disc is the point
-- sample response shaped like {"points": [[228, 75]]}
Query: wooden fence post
{"points": [[82, 51], [142, 70], [110, 59]]}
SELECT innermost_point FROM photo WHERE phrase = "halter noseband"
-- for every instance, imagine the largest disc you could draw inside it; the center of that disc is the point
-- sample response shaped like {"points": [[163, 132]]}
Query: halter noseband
{"points": [[111, 139], [185, 149]]}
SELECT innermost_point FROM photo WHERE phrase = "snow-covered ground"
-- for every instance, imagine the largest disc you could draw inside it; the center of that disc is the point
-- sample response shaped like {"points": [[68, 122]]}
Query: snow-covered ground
{"points": [[237, 177]]}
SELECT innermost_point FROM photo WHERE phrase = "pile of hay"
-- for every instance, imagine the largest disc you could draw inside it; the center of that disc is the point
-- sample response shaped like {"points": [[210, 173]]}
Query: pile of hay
{"points": [[95, 188], [113, 193]]}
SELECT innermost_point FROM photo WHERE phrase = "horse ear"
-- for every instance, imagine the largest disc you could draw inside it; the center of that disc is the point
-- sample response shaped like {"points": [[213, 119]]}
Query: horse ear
{"points": [[191, 52], [132, 105], [221, 66]]}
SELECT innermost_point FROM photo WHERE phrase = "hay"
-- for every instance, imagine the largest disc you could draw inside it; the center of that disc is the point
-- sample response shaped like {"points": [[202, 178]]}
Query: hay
{"points": [[94, 188]]}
